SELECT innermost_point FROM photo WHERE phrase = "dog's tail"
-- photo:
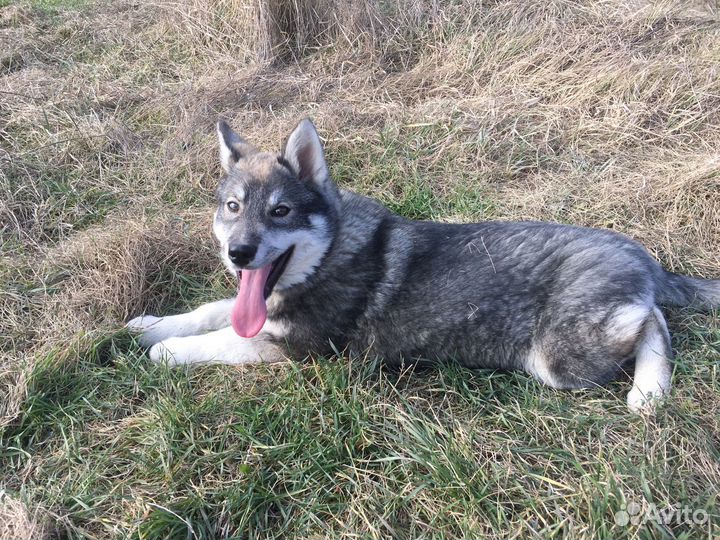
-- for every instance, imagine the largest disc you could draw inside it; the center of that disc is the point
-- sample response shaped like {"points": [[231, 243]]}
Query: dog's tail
{"points": [[677, 290]]}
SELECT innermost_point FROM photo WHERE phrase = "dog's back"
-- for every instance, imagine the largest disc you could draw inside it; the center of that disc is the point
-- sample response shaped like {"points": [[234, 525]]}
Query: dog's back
{"points": [[569, 304]]}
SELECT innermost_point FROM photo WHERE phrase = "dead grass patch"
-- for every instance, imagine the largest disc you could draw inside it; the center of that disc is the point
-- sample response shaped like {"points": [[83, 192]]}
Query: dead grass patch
{"points": [[110, 272], [17, 522]]}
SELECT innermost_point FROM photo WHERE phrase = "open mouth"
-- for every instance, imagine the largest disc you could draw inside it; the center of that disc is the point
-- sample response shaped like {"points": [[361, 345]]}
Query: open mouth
{"points": [[254, 287], [277, 267]]}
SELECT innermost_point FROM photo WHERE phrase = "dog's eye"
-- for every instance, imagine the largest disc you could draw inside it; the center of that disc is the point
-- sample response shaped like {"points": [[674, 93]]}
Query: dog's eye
{"points": [[233, 206], [280, 211]]}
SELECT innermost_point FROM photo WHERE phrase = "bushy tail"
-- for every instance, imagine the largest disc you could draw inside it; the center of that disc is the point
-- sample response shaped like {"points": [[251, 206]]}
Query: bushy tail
{"points": [[677, 290]]}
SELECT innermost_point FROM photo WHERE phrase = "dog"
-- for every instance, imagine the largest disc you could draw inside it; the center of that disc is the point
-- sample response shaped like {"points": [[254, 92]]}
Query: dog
{"points": [[321, 269]]}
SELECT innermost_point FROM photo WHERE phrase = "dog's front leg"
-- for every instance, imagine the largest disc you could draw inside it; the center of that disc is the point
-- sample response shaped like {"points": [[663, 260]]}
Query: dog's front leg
{"points": [[222, 347], [207, 317]]}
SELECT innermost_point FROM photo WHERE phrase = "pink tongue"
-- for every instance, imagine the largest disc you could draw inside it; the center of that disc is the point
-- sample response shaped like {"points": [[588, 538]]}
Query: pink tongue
{"points": [[249, 312]]}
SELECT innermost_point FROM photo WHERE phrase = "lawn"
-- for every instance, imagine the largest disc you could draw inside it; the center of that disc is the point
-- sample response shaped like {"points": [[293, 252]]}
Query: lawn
{"points": [[604, 114]]}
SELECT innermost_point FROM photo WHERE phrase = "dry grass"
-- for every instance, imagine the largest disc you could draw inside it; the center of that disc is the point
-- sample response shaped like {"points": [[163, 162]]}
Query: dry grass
{"points": [[597, 113], [16, 523]]}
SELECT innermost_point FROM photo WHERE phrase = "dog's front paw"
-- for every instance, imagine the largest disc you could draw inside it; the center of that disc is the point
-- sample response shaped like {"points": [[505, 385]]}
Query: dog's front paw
{"points": [[169, 350], [151, 329]]}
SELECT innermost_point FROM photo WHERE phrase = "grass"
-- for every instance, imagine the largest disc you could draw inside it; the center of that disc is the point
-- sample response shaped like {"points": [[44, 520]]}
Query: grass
{"points": [[603, 114]]}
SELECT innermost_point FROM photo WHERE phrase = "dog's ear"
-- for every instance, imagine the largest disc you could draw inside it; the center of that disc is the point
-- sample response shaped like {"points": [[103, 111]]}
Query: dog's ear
{"points": [[304, 152], [233, 148]]}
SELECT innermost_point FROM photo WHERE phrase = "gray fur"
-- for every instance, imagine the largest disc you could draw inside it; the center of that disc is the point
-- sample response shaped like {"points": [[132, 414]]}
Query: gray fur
{"points": [[569, 304], [679, 290], [480, 294]]}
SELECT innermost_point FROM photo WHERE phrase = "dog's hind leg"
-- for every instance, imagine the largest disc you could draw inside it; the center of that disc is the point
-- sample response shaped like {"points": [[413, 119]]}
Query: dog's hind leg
{"points": [[206, 318], [653, 364], [593, 349]]}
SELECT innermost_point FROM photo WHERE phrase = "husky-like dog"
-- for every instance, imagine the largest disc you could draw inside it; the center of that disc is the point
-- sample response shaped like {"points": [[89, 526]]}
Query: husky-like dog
{"points": [[323, 269]]}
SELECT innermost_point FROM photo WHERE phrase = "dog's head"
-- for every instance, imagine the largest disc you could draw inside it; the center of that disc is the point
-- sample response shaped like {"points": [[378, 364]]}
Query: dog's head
{"points": [[275, 219]]}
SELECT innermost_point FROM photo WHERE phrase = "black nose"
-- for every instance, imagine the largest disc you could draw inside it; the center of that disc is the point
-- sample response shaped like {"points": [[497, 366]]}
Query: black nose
{"points": [[242, 254]]}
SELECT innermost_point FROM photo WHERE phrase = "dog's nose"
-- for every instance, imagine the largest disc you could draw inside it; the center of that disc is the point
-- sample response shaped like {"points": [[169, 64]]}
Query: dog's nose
{"points": [[242, 254]]}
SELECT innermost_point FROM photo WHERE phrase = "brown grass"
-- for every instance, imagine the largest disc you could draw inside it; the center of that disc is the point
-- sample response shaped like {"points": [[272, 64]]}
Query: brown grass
{"points": [[17, 523], [596, 113]]}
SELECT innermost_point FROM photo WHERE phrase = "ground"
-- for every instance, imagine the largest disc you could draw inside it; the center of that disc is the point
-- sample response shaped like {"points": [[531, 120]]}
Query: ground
{"points": [[604, 114]]}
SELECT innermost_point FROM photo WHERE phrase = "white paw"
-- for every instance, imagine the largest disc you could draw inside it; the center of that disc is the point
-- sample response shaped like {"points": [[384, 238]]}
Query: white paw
{"points": [[141, 323], [169, 350], [152, 329], [641, 402]]}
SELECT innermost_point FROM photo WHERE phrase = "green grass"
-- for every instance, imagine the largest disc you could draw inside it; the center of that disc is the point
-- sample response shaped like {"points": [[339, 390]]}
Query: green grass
{"points": [[59, 5], [403, 170], [132, 449]]}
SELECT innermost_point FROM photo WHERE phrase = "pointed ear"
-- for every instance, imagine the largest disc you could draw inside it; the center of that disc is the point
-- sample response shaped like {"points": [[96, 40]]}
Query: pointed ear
{"points": [[233, 148], [304, 152]]}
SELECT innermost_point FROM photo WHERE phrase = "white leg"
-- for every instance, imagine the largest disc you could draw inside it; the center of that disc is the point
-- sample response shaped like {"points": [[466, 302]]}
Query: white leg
{"points": [[653, 368], [203, 319], [222, 347]]}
